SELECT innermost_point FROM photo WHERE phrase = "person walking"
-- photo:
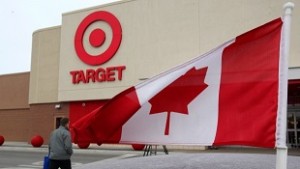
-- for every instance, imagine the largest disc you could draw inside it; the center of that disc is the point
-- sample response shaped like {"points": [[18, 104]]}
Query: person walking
{"points": [[60, 146]]}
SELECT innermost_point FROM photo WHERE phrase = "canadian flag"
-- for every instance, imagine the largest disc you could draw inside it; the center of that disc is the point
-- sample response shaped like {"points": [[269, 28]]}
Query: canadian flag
{"points": [[229, 96]]}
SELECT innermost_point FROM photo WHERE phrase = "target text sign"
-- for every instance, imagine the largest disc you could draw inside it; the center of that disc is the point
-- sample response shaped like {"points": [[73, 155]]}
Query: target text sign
{"points": [[96, 39]]}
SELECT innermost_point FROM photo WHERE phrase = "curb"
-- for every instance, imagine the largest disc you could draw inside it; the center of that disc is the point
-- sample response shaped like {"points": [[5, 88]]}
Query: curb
{"points": [[93, 149]]}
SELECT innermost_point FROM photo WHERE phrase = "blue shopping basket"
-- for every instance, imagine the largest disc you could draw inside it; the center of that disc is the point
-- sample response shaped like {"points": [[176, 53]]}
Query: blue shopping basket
{"points": [[46, 162]]}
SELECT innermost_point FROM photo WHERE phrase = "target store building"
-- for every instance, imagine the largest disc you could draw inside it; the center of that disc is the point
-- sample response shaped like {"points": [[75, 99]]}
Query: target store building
{"points": [[98, 52]]}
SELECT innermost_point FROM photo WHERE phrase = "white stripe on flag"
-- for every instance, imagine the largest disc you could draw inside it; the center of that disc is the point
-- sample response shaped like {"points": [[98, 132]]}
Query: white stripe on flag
{"points": [[198, 127]]}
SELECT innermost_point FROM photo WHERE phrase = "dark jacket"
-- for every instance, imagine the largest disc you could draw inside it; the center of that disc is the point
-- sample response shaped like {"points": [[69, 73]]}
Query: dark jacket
{"points": [[60, 144]]}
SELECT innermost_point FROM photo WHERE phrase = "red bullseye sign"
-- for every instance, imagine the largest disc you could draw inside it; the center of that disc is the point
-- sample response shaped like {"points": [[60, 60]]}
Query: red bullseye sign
{"points": [[98, 37]]}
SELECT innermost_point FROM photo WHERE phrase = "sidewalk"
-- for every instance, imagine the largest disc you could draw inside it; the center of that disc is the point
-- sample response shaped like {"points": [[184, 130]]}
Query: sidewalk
{"points": [[250, 150], [222, 157], [195, 161], [95, 149]]}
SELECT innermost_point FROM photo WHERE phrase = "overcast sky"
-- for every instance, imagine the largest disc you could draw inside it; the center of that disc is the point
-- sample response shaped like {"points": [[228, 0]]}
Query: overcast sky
{"points": [[20, 18]]}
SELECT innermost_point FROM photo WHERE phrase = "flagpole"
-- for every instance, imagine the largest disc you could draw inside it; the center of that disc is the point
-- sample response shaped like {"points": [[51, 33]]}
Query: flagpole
{"points": [[282, 151]]}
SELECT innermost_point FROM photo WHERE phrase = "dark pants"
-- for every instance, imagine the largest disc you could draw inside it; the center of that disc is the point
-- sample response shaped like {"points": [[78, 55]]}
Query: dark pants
{"points": [[62, 164]]}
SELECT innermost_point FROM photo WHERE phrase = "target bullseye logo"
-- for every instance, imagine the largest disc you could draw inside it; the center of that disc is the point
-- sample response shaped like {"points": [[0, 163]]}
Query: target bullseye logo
{"points": [[88, 36], [97, 38]]}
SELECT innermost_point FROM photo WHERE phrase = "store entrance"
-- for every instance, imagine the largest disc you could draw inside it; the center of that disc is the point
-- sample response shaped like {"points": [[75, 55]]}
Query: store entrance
{"points": [[293, 116], [293, 129], [57, 122]]}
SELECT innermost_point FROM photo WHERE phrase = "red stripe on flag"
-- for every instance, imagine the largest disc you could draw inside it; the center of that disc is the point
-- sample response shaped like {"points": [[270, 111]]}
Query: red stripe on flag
{"points": [[248, 99], [108, 121], [80, 129]]}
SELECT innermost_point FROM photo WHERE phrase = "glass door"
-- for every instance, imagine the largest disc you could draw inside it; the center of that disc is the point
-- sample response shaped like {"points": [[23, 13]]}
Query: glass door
{"points": [[293, 130]]}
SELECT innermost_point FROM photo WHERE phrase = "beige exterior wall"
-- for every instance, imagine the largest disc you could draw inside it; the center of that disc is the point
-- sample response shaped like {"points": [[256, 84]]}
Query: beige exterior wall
{"points": [[44, 66], [156, 35]]}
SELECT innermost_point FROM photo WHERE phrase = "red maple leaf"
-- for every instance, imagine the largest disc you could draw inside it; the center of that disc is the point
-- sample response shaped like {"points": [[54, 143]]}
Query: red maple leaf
{"points": [[176, 96]]}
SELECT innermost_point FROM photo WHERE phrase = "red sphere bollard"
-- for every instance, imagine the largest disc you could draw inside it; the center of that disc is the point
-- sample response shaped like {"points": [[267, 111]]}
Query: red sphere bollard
{"points": [[138, 146], [37, 141], [1, 140], [83, 145]]}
